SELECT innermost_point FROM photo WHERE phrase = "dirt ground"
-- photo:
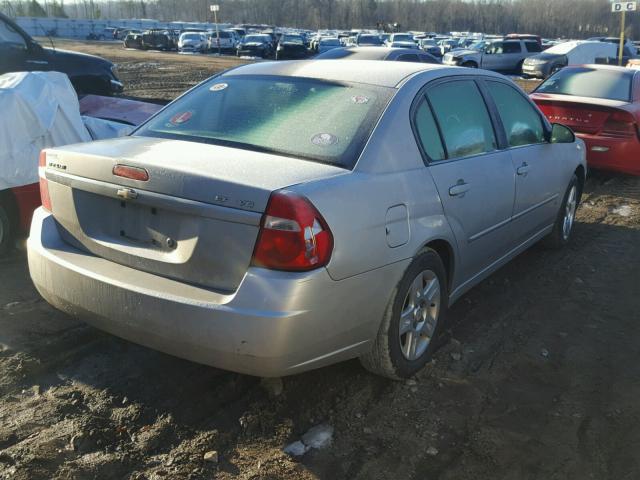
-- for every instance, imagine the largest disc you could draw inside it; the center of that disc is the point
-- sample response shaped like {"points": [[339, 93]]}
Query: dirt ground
{"points": [[153, 74], [536, 378]]}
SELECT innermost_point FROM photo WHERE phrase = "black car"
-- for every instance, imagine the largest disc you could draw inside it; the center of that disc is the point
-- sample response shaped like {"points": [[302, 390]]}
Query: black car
{"points": [[368, 40], [378, 53], [21, 53], [256, 45], [159, 40], [291, 47]]}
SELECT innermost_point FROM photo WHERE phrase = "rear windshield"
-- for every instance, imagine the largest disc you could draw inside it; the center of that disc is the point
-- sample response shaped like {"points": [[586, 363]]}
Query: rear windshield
{"points": [[403, 38], [292, 39], [590, 82], [257, 38], [304, 118], [369, 40]]}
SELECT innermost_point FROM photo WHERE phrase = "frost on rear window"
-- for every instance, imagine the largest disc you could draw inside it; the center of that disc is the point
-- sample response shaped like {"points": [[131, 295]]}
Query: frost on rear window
{"points": [[297, 117]]}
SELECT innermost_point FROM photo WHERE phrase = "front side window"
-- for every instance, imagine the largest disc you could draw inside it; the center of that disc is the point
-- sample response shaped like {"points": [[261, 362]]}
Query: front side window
{"points": [[512, 47], [495, 48], [463, 118], [304, 118], [521, 121]]}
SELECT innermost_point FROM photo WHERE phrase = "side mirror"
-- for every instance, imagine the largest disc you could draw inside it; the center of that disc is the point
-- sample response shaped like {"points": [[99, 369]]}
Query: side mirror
{"points": [[561, 134]]}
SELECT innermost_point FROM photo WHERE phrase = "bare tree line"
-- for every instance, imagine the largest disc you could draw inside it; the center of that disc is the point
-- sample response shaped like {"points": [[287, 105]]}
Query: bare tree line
{"points": [[550, 18]]}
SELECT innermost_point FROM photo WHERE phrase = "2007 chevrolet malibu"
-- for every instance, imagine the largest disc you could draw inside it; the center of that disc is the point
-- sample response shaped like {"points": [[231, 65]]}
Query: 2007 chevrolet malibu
{"points": [[284, 216]]}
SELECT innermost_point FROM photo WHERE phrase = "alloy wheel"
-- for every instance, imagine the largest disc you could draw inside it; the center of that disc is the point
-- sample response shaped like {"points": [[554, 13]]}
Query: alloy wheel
{"points": [[569, 212], [419, 316]]}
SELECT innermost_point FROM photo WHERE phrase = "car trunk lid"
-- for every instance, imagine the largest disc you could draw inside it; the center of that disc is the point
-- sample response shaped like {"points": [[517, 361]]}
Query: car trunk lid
{"points": [[195, 219], [583, 114]]}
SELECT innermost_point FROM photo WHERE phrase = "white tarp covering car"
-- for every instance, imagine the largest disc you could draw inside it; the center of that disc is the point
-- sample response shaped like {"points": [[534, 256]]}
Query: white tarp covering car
{"points": [[40, 110]]}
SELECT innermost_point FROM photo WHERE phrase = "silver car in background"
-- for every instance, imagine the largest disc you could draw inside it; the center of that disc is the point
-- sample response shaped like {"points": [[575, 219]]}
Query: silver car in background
{"points": [[284, 216], [506, 55]]}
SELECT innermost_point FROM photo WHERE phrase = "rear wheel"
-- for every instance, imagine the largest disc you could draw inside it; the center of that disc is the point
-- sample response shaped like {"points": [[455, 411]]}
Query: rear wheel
{"points": [[405, 340], [563, 228]]}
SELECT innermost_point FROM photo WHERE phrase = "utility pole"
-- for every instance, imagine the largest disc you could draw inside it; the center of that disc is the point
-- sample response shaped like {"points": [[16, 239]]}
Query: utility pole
{"points": [[214, 9], [622, 8]]}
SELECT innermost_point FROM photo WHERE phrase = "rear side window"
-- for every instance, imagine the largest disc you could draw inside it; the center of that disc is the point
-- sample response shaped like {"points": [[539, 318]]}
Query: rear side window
{"points": [[533, 47], [408, 57], [521, 121], [9, 36], [511, 47], [463, 118], [427, 59], [428, 135]]}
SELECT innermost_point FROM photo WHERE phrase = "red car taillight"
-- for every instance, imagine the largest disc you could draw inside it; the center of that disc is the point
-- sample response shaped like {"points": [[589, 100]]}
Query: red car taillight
{"points": [[620, 124], [293, 235], [44, 187]]}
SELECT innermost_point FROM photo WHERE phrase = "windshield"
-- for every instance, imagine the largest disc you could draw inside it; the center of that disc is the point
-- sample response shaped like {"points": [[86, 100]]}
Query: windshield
{"points": [[191, 36], [257, 38], [292, 39], [478, 46], [369, 40], [330, 42], [305, 118], [590, 82]]}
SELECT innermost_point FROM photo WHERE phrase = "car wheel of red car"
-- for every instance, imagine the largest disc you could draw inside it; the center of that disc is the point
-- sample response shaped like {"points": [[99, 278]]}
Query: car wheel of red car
{"points": [[7, 231]]}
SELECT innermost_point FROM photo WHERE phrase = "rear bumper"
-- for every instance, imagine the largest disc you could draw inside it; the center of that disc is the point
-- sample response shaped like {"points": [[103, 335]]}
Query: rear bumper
{"points": [[614, 154], [275, 324]]}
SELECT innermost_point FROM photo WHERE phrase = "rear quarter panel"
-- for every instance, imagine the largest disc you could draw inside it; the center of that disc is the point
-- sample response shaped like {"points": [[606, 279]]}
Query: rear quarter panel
{"points": [[389, 173]]}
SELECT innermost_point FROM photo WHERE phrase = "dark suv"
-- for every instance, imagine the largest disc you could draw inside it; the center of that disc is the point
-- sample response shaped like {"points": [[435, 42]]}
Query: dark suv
{"points": [[21, 53]]}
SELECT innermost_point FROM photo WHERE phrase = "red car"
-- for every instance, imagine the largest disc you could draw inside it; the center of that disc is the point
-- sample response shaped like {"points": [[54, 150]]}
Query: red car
{"points": [[601, 103], [17, 204]]}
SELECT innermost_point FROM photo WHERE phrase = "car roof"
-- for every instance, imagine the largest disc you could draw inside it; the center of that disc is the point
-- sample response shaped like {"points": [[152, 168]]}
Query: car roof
{"points": [[372, 72]]}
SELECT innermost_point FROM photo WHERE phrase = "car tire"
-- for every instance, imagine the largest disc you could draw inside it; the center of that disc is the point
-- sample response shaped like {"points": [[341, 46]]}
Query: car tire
{"points": [[563, 226], [470, 65], [7, 230], [422, 295]]}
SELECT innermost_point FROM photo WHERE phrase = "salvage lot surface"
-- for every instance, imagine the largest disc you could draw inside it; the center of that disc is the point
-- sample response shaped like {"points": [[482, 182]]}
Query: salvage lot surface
{"points": [[153, 74], [536, 378]]}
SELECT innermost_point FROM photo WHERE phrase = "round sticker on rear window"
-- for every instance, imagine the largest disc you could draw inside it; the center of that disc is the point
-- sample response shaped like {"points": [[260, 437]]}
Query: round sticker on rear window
{"points": [[324, 139], [181, 118], [218, 86], [359, 99]]}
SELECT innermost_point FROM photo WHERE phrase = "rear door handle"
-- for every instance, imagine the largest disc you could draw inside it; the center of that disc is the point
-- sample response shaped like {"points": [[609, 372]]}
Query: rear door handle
{"points": [[523, 169], [459, 189]]}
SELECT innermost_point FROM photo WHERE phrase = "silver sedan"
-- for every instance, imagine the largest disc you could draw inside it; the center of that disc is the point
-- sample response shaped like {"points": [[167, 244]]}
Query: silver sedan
{"points": [[284, 216]]}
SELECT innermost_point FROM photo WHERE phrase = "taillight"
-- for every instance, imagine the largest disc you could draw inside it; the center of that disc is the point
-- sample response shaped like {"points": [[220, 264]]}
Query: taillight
{"points": [[620, 124], [44, 186], [293, 235]]}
